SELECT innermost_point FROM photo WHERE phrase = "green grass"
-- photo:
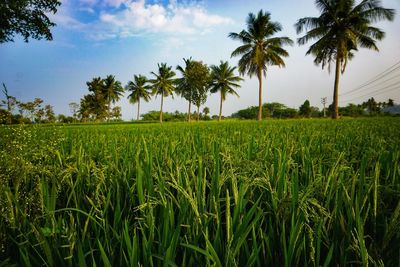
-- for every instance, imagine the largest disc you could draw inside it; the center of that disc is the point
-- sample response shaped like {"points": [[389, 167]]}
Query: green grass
{"points": [[240, 193]]}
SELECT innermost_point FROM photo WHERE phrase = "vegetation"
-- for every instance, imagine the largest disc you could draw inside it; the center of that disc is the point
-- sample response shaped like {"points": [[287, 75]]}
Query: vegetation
{"points": [[305, 109], [238, 193], [286, 193], [96, 106], [273, 110], [194, 84], [224, 81], [341, 28], [27, 18], [163, 84], [140, 88], [260, 49]]}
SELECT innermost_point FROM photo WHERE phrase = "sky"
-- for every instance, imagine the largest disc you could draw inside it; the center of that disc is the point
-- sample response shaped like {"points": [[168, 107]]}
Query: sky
{"points": [[95, 38]]}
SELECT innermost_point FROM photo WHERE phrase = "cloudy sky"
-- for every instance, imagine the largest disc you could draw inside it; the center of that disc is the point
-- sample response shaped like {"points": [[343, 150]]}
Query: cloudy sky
{"points": [[126, 37]]}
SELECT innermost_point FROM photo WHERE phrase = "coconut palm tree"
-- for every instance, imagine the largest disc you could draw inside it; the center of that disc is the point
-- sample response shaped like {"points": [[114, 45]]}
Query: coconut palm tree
{"points": [[342, 27], [260, 48], [112, 90], [139, 89], [163, 84], [183, 87], [224, 80]]}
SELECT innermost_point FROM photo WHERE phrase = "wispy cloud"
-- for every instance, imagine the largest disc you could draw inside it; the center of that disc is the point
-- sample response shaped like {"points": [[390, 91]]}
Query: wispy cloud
{"points": [[126, 18]]}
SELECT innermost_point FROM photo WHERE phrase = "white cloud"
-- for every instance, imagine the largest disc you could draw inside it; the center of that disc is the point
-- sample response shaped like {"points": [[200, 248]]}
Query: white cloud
{"points": [[88, 2], [127, 18], [115, 3], [66, 20], [174, 18]]}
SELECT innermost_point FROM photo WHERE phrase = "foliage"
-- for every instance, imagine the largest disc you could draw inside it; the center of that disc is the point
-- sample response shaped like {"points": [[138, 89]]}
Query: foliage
{"points": [[10, 102], [49, 114], [167, 116], [74, 107], [260, 48], [274, 110], [163, 84], [194, 83], [305, 109], [65, 119], [112, 90], [116, 113], [27, 18], [140, 89], [97, 105], [282, 193], [340, 30], [224, 81], [351, 110]]}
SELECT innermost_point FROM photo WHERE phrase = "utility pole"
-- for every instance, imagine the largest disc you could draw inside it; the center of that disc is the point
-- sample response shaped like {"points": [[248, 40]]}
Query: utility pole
{"points": [[323, 101]]}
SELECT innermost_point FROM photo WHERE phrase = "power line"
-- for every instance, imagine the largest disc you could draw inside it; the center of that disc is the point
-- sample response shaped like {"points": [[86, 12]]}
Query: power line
{"points": [[375, 85], [379, 91], [374, 79]]}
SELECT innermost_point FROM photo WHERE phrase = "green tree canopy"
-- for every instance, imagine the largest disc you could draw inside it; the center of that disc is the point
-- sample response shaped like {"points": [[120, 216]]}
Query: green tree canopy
{"points": [[305, 109], [28, 18], [103, 92], [224, 81], [193, 85], [163, 84], [342, 27], [140, 89], [260, 48]]}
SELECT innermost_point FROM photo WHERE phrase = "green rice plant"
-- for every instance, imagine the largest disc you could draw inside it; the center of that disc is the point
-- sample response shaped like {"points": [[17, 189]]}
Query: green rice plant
{"points": [[240, 193]]}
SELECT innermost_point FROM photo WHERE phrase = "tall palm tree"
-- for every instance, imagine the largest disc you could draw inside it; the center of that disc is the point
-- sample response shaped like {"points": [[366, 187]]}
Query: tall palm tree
{"points": [[163, 84], [112, 90], [260, 48], [139, 89], [341, 28], [224, 80], [183, 87]]}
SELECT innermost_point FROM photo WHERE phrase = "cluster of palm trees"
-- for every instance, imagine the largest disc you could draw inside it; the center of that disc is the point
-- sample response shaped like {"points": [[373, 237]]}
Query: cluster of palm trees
{"points": [[103, 93], [194, 84], [342, 27]]}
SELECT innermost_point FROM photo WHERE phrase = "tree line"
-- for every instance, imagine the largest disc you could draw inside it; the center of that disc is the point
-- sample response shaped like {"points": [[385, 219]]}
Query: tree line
{"points": [[342, 28], [36, 112], [196, 81]]}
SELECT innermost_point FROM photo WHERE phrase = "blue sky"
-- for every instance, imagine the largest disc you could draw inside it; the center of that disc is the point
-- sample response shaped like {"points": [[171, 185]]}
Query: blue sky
{"points": [[126, 37]]}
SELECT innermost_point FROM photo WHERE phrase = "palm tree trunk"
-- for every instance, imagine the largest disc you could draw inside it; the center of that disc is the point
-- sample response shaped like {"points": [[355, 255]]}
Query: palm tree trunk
{"points": [[260, 94], [190, 110], [220, 109], [335, 113], [161, 110], [138, 109]]}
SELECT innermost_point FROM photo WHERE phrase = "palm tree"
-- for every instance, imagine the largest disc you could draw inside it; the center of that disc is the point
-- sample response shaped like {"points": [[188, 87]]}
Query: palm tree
{"points": [[224, 80], [341, 28], [260, 49], [139, 89], [96, 103], [183, 84], [163, 84], [112, 90]]}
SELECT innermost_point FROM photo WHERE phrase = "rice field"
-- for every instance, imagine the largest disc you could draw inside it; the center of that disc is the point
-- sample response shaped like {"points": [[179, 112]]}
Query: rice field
{"points": [[241, 193]]}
